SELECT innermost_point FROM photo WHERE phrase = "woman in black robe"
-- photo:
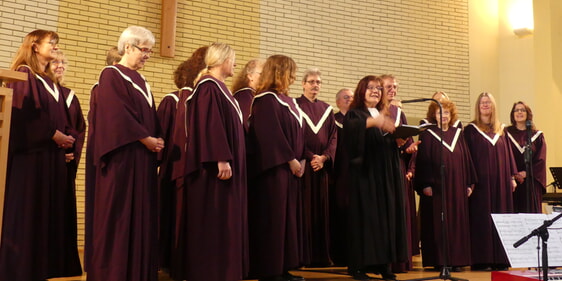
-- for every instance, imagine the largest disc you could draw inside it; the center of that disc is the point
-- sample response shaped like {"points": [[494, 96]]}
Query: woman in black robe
{"points": [[244, 86], [525, 201], [377, 222]]}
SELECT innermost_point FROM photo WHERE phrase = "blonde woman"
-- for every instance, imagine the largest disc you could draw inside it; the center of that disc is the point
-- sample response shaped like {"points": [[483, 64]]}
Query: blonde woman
{"points": [[495, 168], [213, 224]]}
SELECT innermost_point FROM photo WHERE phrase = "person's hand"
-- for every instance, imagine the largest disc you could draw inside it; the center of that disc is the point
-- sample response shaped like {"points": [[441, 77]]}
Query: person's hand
{"points": [[469, 191], [400, 142], [317, 162], [520, 176], [295, 167], [225, 172], [413, 147], [428, 191], [409, 176], [513, 184], [69, 157], [62, 140], [153, 144]]}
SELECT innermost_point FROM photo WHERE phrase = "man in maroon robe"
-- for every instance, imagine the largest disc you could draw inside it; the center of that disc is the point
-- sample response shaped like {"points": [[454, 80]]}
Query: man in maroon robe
{"points": [[320, 139]]}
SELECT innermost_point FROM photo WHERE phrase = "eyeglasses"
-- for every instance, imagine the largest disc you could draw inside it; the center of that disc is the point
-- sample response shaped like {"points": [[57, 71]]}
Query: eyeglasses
{"points": [[59, 62], [145, 51], [485, 102], [347, 97], [389, 87], [312, 82], [520, 110], [375, 88]]}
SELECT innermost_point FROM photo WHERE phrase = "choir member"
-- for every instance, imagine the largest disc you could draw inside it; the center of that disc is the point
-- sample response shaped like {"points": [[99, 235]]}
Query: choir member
{"points": [[377, 223], [521, 130], [277, 135], [443, 145], [338, 192], [495, 168], [407, 148], [320, 139], [126, 140], [213, 219], [171, 177], [112, 58], [39, 225], [244, 86]]}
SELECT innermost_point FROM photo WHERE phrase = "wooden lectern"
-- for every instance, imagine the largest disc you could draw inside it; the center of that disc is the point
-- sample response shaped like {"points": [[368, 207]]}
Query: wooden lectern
{"points": [[5, 118]]}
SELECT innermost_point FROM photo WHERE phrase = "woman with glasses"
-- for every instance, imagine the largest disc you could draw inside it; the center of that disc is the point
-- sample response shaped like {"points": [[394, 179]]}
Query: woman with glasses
{"points": [[444, 144], [39, 228], [521, 130], [127, 138], [495, 168], [244, 85], [377, 222]]}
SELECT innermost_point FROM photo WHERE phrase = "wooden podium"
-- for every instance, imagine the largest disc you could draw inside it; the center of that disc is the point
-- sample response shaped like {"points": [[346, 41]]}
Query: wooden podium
{"points": [[5, 117]]}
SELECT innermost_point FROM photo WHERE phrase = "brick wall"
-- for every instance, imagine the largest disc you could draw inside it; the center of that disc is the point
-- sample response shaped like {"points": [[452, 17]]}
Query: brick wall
{"points": [[424, 43]]}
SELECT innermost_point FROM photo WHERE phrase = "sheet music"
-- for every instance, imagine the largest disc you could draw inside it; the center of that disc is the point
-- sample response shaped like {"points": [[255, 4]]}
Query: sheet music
{"points": [[512, 227]]}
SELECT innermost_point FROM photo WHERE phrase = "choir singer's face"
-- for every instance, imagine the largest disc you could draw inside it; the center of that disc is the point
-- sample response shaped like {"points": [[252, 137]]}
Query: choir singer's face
{"points": [[137, 55], [520, 113]]}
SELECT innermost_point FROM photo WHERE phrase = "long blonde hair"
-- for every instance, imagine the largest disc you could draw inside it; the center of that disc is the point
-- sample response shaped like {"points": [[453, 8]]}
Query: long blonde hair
{"points": [[26, 53], [494, 126], [216, 55]]}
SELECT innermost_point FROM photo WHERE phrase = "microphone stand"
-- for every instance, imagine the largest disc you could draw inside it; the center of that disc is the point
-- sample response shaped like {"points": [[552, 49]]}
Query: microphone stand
{"points": [[446, 270], [531, 202], [542, 233]]}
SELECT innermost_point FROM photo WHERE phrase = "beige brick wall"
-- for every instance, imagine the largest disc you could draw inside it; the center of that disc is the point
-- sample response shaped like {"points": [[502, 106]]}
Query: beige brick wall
{"points": [[424, 43]]}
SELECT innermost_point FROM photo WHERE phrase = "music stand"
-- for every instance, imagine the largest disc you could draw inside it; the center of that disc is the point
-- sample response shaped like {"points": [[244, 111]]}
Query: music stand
{"points": [[557, 175]]}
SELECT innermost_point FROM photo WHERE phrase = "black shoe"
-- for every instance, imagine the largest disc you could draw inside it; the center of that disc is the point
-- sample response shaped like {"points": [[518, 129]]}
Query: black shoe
{"points": [[386, 273], [359, 275], [456, 269], [481, 267], [273, 278], [290, 277]]}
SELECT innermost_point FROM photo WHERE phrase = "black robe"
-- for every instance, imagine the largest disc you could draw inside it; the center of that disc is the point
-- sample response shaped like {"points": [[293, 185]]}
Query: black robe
{"points": [[377, 221]]}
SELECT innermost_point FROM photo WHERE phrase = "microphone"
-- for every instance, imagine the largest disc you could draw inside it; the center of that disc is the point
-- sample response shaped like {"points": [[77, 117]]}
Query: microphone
{"points": [[416, 100]]}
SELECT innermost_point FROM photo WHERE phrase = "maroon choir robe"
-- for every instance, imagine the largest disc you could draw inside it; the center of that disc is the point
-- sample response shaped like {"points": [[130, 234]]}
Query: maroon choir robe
{"points": [[276, 136], [245, 96], [339, 198], [212, 233], [523, 202], [494, 164], [377, 233], [90, 180], [39, 226], [124, 224], [166, 187], [399, 118], [179, 138], [320, 138], [459, 174]]}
